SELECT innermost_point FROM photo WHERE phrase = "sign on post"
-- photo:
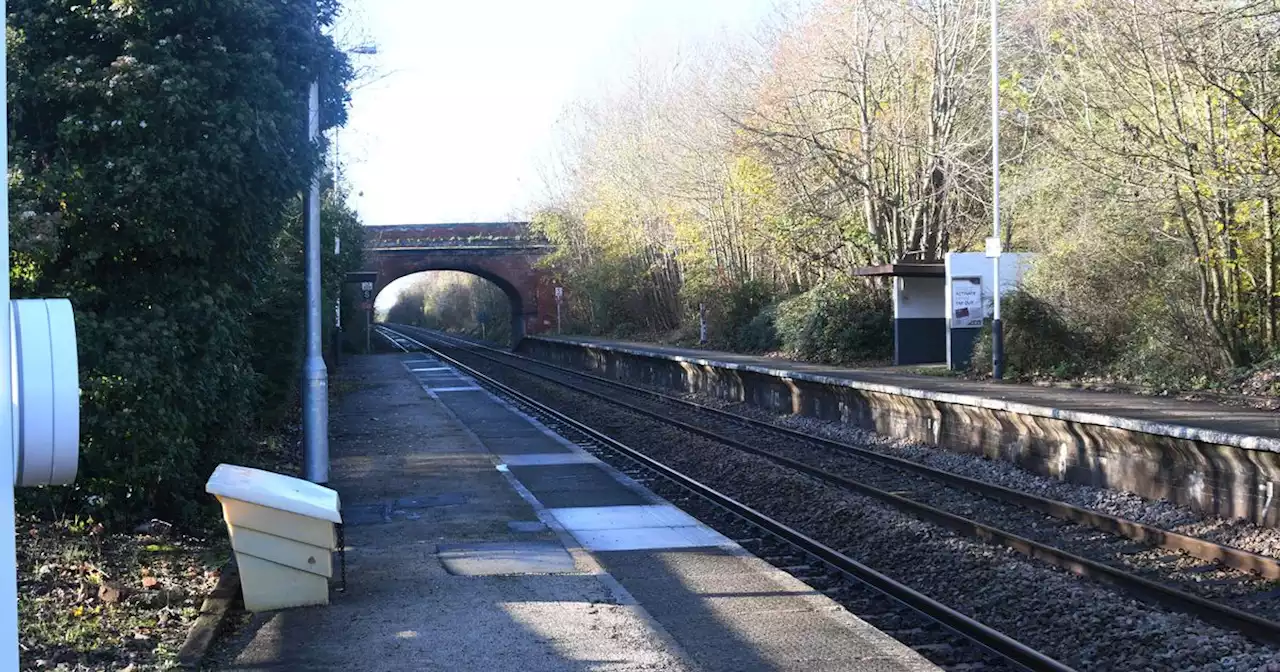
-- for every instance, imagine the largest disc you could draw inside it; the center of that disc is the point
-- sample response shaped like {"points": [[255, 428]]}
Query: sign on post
{"points": [[993, 247], [967, 310], [559, 298]]}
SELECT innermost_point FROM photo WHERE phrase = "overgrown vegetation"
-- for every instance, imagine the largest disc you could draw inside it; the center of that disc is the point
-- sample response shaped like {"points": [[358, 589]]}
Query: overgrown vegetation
{"points": [[452, 301], [1140, 142], [158, 153]]}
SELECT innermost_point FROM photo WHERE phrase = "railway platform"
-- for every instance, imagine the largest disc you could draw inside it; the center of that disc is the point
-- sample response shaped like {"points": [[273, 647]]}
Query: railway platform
{"points": [[1216, 458], [478, 539], [1200, 419]]}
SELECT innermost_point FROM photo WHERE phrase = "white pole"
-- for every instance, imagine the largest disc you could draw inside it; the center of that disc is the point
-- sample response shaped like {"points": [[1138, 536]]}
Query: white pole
{"points": [[997, 327], [8, 552]]}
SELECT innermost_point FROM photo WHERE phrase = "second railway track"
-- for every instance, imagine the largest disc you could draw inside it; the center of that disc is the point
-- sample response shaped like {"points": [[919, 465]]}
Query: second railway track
{"points": [[1156, 565]]}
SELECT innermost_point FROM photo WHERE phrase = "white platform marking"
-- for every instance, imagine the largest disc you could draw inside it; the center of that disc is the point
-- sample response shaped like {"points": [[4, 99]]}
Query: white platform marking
{"points": [[631, 528], [542, 459], [432, 368], [648, 538], [611, 517]]}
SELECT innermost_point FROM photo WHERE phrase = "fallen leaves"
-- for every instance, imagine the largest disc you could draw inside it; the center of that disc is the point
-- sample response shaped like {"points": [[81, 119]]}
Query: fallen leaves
{"points": [[92, 600]]}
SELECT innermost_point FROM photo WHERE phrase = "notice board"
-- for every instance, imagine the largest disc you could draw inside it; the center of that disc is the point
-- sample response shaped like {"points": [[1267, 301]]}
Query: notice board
{"points": [[967, 310]]}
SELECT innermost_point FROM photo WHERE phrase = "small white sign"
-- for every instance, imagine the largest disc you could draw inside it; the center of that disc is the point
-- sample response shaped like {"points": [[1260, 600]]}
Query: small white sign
{"points": [[559, 293], [966, 303], [366, 286], [993, 247]]}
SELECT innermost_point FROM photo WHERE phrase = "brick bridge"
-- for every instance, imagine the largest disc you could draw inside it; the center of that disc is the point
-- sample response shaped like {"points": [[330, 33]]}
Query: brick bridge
{"points": [[504, 253]]}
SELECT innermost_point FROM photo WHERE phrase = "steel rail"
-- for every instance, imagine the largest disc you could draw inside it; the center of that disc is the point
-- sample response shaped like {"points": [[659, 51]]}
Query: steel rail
{"points": [[1250, 624], [1206, 550], [997, 642]]}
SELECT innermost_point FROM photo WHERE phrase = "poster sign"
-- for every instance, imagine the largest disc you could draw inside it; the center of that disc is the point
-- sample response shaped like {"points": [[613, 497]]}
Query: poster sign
{"points": [[967, 310]]}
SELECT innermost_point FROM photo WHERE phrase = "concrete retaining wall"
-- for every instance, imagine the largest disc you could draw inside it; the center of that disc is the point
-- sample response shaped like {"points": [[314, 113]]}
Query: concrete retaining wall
{"points": [[1224, 474]]}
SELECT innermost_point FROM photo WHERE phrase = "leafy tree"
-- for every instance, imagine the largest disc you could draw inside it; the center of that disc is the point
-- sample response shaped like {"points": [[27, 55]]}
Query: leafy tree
{"points": [[157, 150]]}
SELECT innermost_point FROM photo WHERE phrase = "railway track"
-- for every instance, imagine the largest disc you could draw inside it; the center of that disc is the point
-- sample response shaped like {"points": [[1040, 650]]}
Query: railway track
{"points": [[1218, 584], [941, 634], [1230, 587]]}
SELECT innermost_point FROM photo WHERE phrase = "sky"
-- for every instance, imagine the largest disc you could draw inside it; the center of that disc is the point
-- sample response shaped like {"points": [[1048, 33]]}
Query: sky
{"points": [[459, 104]]}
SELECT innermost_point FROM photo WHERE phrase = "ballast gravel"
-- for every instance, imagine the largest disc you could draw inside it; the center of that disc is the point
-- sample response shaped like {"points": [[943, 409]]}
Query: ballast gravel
{"points": [[1081, 623], [1238, 533]]}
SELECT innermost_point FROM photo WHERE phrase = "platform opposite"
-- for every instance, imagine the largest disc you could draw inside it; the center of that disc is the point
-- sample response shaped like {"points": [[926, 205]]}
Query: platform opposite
{"points": [[1219, 459]]}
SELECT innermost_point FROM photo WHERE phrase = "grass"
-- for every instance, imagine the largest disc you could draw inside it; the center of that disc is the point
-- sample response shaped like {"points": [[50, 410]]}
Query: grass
{"points": [[935, 370]]}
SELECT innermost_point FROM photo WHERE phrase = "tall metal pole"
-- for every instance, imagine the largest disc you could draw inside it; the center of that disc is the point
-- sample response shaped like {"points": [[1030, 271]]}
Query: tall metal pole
{"points": [[997, 327], [8, 553], [315, 387]]}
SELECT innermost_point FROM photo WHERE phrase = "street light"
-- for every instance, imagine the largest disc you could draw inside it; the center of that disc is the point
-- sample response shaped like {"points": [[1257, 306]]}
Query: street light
{"points": [[315, 386], [993, 243]]}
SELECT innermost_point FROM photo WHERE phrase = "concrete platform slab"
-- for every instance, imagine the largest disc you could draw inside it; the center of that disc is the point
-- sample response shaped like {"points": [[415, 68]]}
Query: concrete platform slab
{"points": [[734, 612], [490, 558], [453, 505], [628, 528], [565, 485], [637, 538], [403, 611], [579, 518], [544, 459]]}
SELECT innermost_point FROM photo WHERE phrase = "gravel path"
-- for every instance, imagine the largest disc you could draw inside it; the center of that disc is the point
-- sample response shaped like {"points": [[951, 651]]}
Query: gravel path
{"points": [[1079, 622]]}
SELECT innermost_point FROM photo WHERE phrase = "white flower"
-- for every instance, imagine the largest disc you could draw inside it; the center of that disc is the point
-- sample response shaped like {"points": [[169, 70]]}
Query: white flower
{"points": [[95, 127], [142, 124], [117, 122], [111, 164], [78, 71], [28, 214]]}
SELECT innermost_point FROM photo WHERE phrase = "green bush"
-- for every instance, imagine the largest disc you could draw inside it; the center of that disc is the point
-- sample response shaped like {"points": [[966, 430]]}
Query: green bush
{"points": [[837, 324], [741, 306], [761, 333], [1038, 341]]}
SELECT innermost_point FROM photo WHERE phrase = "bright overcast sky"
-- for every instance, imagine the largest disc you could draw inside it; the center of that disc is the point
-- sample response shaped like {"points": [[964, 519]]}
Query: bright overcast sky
{"points": [[470, 91]]}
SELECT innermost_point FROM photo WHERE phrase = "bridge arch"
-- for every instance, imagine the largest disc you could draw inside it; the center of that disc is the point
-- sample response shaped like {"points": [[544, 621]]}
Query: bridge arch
{"points": [[504, 253]]}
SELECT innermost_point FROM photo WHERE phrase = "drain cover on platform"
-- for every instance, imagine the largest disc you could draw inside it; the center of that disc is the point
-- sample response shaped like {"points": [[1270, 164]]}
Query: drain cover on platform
{"points": [[505, 558]]}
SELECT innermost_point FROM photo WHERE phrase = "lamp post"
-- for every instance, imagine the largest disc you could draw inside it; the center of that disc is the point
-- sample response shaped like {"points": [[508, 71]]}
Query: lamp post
{"points": [[993, 244], [315, 385]]}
